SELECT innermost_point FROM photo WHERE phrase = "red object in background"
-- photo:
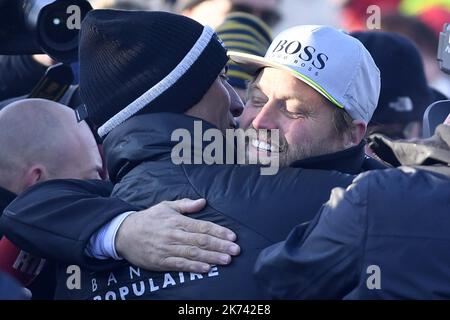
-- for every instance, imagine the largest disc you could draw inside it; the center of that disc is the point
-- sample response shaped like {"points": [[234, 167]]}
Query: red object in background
{"points": [[355, 12], [435, 17], [19, 264]]}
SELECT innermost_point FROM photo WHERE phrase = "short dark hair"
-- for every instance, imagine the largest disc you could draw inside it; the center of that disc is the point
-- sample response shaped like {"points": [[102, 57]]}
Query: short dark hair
{"points": [[341, 120]]}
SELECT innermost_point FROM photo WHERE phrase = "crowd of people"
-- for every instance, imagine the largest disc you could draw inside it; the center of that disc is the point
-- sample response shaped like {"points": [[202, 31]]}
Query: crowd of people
{"points": [[358, 208]]}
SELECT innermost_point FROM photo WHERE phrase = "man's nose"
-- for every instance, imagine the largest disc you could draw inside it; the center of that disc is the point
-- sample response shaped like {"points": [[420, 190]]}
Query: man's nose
{"points": [[265, 118], [236, 105]]}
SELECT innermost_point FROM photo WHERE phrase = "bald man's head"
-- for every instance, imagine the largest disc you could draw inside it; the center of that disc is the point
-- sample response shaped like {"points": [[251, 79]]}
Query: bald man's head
{"points": [[41, 140]]}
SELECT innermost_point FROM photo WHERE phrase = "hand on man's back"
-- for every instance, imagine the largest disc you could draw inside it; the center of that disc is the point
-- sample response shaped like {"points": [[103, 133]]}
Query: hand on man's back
{"points": [[160, 238]]}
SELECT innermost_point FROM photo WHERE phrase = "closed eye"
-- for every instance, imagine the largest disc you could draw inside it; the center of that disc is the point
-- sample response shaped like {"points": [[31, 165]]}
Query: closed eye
{"points": [[302, 114]]}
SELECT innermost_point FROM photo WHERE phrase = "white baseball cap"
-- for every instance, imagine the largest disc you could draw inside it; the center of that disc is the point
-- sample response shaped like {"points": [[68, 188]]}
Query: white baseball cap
{"points": [[332, 62]]}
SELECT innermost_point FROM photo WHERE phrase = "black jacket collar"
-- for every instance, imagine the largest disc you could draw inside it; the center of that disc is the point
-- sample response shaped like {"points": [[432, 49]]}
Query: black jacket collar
{"points": [[6, 197], [350, 160]]}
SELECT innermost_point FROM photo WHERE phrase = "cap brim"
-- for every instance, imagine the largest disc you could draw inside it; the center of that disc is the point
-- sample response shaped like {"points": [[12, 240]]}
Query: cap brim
{"points": [[254, 63]]}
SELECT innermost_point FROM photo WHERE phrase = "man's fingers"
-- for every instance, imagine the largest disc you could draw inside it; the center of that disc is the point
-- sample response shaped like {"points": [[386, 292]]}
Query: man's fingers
{"points": [[199, 255], [185, 265], [206, 227], [206, 242], [198, 226], [187, 205]]}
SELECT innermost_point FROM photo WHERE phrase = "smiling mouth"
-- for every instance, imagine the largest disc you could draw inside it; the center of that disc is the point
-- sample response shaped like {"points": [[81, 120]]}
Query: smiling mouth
{"points": [[263, 146]]}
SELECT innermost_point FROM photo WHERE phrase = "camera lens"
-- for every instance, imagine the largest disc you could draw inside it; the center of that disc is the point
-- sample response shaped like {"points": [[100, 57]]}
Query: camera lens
{"points": [[57, 26], [55, 30]]}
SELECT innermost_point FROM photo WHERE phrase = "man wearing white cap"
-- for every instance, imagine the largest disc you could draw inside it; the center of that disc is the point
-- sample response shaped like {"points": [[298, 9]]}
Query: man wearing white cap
{"points": [[319, 87], [239, 192]]}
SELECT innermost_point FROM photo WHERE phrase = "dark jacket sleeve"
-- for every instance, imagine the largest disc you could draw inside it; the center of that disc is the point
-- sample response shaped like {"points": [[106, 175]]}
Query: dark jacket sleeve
{"points": [[321, 262], [56, 219]]}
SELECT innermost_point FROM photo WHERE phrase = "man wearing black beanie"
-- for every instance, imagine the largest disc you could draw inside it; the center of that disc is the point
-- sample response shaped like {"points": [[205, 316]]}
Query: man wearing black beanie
{"points": [[144, 75], [123, 54]]}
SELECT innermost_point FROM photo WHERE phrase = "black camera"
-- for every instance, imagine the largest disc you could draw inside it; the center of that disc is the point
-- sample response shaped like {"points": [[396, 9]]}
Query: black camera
{"points": [[42, 26]]}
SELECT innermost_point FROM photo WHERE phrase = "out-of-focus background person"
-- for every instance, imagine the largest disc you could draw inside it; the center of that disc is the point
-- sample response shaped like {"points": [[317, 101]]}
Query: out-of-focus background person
{"points": [[405, 93], [243, 32], [420, 21], [214, 12]]}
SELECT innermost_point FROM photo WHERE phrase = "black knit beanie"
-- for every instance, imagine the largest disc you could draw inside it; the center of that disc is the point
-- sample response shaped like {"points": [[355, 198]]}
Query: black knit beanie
{"points": [[134, 62]]}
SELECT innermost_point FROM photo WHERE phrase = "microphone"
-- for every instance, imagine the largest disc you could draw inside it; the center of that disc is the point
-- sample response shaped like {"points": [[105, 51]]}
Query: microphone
{"points": [[19, 264]]}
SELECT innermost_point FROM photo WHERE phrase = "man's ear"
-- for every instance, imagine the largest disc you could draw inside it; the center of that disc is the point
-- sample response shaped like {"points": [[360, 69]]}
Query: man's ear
{"points": [[356, 133], [36, 173]]}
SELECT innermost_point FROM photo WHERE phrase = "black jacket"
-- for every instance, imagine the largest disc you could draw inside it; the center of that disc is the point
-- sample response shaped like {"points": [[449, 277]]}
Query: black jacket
{"points": [[55, 233], [260, 209], [9, 288], [385, 237], [43, 287], [55, 219], [5, 199], [41, 220]]}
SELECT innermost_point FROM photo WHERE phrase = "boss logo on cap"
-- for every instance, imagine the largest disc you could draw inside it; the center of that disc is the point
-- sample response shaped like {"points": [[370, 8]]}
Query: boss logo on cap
{"points": [[306, 54]]}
